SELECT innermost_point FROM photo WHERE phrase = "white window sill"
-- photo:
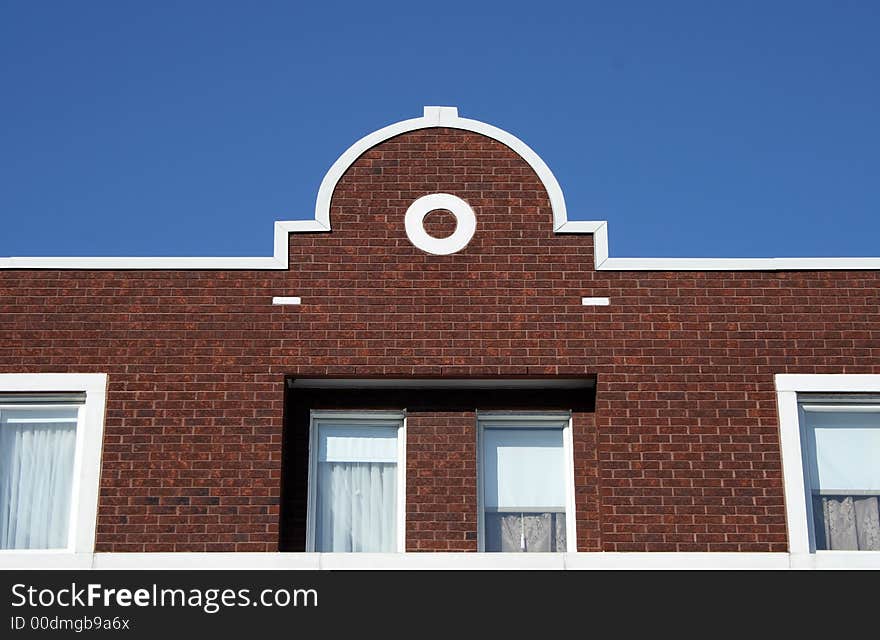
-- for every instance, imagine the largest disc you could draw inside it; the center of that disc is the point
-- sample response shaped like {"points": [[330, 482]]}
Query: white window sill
{"points": [[450, 560]]}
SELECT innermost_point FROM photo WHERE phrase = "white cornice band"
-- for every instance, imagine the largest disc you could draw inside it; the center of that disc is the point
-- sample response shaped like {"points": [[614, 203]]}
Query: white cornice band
{"points": [[444, 117]]}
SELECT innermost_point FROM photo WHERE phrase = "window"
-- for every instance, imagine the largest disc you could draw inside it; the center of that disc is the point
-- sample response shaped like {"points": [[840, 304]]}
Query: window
{"points": [[841, 437], [51, 431], [829, 440], [525, 483], [356, 482]]}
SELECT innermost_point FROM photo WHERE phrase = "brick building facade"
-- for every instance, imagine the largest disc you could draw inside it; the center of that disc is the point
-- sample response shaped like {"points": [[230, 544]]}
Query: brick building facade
{"points": [[674, 374]]}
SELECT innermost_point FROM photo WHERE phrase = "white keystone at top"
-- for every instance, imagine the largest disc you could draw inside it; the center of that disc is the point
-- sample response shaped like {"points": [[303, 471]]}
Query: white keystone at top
{"points": [[441, 115]]}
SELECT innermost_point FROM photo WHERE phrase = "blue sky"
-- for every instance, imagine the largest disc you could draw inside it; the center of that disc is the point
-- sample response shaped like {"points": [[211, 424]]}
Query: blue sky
{"points": [[187, 128]]}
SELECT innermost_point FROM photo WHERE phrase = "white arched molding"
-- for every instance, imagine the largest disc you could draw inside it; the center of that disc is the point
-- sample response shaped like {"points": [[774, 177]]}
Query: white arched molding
{"points": [[446, 117]]}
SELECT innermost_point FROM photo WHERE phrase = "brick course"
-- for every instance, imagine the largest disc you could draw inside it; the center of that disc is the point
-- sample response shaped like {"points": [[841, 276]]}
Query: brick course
{"points": [[681, 454]]}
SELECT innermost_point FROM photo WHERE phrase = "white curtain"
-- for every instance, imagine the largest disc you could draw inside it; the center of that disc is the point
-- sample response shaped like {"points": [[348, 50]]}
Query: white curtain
{"points": [[356, 506], [850, 523], [525, 532], [36, 471], [356, 489]]}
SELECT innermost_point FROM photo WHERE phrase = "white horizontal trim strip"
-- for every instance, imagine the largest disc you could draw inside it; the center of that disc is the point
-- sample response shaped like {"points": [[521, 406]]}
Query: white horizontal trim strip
{"points": [[56, 400], [359, 416], [524, 509], [845, 492], [841, 408], [595, 302], [555, 418], [97, 263], [92, 383], [282, 300], [40, 420], [738, 264], [451, 560], [279, 261], [831, 383], [275, 262]]}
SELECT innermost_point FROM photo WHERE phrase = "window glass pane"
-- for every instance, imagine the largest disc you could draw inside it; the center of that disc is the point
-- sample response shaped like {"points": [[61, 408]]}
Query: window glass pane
{"points": [[342, 443], [37, 448], [519, 532], [523, 468], [847, 523], [356, 493], [844, 450], [843, 471]]}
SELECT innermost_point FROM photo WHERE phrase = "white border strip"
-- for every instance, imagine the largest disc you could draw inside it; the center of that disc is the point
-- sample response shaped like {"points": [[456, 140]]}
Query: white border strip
{"points": [[445, 117], [604, 263], [445, 560]]}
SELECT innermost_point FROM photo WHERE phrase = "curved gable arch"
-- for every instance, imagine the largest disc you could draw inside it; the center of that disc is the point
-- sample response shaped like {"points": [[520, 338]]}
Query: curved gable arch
{"points": [[439, 117]]}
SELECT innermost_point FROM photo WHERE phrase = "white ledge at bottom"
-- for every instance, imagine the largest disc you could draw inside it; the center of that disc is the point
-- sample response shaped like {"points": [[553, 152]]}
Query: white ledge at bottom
{"points": [[448, 560], [599, 228]]}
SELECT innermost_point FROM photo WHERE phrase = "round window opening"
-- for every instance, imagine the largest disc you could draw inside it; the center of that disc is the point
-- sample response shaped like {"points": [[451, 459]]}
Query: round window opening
{"points": [[440, 223]]}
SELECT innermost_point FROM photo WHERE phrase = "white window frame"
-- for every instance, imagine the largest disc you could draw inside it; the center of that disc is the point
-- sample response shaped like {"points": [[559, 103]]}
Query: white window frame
{"points": [[525, 420], [798, 496], [364, 419], [87, 456]]}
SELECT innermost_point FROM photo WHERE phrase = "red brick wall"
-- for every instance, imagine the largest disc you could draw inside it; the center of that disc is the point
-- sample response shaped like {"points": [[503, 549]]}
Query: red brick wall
{"points": [[441, 482], [681, 454]]}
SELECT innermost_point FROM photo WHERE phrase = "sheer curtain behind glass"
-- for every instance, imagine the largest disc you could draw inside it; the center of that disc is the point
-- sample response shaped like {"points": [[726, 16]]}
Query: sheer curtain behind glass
{"points": [[356, 493], [36, 474], [524, 489], [843, 466]]}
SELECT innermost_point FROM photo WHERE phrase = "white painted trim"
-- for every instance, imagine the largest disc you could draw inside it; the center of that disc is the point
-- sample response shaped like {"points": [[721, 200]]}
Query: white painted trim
{"points": [[838, 560], [446, 560], [797, 507], [528, 420], [286, 300], [364, 419], [444, 117], [793, 473], [595, 302], [440, 117], [570, 506], [604, 263], [580, 226], [830, 383], [401, 485], [414, 219], [87, 456], [739, 264], [311, 488]]}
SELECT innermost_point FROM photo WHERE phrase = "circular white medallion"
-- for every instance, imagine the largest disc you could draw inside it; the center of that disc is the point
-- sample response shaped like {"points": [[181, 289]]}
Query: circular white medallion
{"points": [[466, 223]]}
